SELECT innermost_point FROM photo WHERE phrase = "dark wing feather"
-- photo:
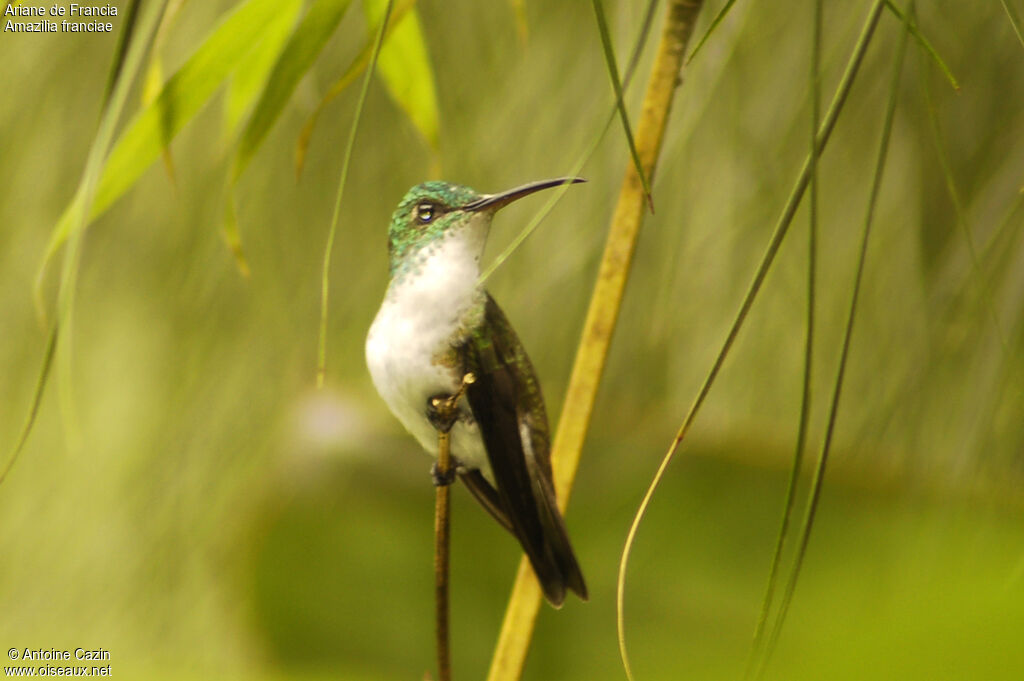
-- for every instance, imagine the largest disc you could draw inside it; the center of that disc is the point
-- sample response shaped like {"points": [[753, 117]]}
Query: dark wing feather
{"points": [[504, 397]]}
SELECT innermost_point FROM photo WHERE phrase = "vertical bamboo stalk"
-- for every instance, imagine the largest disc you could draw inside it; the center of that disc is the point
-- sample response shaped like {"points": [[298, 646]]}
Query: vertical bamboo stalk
{"points": [[517, 628]]}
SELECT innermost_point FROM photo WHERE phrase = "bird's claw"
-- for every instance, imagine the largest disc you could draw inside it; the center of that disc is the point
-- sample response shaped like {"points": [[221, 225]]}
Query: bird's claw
{"points": [[442, 412]]}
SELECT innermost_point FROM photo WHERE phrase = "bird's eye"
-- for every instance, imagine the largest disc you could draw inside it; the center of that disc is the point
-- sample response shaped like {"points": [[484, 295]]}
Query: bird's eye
{"points": [[425, 212]]}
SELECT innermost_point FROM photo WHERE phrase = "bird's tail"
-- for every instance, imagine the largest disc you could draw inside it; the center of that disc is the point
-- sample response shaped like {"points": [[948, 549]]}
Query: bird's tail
{"points": [[553, 560]]}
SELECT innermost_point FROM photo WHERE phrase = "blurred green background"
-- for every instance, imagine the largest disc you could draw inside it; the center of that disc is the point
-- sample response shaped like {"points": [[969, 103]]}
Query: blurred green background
{"points": [[190, 502]]}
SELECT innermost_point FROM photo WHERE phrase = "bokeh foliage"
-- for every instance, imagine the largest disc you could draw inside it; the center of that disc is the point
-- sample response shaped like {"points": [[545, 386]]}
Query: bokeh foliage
{"points": [[217, 516]]}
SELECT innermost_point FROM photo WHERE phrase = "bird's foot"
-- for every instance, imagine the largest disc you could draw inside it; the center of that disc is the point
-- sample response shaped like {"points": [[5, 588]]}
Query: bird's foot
{"points": [[442, 412], [442, 480], [443, 408]]}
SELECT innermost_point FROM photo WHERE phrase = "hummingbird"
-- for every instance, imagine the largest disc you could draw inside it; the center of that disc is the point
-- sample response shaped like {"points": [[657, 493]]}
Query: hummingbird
{"points": [[436, 325]]}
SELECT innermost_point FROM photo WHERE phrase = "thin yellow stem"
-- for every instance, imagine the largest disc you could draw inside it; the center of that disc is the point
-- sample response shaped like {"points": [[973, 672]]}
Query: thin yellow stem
{"points": [[447, 413], [442, 537]]}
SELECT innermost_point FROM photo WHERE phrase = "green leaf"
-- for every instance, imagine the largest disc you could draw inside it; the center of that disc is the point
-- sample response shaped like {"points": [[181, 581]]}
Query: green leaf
{"points": [[711, 29], [778, 235], [251, 75], [130, 52], [347, 78], [303, 47], [919, 37], [814, 495], [37, 399], [404, 66], [613, 72], [120, 50], [232, 235], [1014, 21], [151, 84], [181, 98]]}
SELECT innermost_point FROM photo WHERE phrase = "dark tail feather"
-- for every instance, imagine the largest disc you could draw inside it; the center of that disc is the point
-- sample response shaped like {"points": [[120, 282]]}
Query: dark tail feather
{"points": [[556, 548]]}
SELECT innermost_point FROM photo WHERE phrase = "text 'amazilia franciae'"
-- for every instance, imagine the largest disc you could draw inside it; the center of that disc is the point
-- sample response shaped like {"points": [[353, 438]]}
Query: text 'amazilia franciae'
{"points": [[437, 324]]}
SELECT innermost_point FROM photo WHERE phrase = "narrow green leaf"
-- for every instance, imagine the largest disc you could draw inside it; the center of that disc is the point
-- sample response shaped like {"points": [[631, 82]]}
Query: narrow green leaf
{"points": [[321, 364], [249, 78], [613, 72], [711, 29], [819, 473], [404, 66], [37, 399], [154, 78], [347, 78], [1014, 20], [302, 49], [232, 237], [153, 82], [920, 38], [129, 55], [805, 399], [120, 50], [182, 97], [778, 235]]}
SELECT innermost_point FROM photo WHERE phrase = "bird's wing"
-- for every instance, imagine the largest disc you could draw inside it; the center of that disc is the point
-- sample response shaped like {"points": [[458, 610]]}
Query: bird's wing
{"points": [[509, 410]]}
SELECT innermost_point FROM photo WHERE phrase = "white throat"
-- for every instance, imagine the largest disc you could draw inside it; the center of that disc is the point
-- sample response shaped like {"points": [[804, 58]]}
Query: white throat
{"points": [[428, 305]]}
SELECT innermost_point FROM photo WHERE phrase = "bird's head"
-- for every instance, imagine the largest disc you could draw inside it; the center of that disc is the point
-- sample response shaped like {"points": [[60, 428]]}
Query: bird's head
{"points": [[434, 210]]}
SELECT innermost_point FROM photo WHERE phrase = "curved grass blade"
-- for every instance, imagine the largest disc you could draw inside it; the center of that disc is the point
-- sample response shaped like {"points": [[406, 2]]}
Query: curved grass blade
{"points": [[613, 72], [923, 41], [302, 49], [250, 76], [556, 195], [805, 400], [183, 95], [120, 49], [346, 79], [404, 66], [1014, 20], [129, 56], [819, 472], [37, 399], [711, 29], [321, 366], [781, 227]]}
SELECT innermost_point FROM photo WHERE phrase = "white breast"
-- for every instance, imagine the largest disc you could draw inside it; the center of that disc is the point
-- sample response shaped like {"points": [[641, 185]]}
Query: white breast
{"points": [[421, 313]]}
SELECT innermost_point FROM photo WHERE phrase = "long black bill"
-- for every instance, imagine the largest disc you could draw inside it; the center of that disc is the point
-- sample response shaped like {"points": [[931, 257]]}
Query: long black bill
{"points": [[496, 201]]}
